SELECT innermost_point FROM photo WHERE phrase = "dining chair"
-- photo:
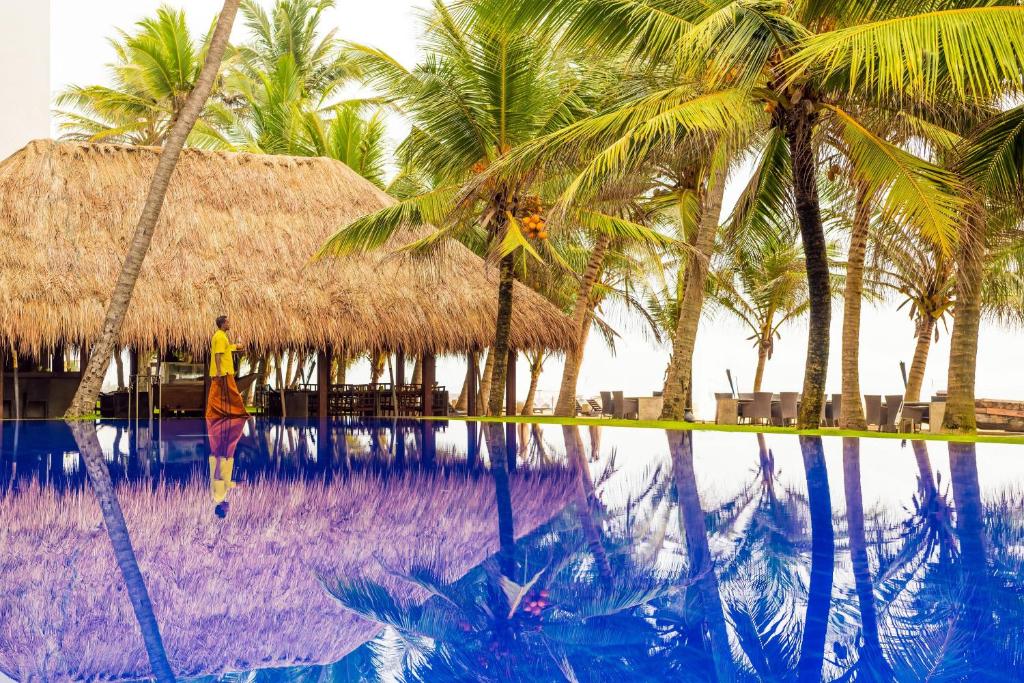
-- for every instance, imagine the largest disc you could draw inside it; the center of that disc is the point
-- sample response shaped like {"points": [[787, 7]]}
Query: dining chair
{"points": [[788, 411], [873, 409], [836, 409], [618, 405], [759, 409]]}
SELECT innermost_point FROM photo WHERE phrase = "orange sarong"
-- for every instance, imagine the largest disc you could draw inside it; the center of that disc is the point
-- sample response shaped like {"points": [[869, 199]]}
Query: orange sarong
{"points": [[224, 433], [224, 399]]}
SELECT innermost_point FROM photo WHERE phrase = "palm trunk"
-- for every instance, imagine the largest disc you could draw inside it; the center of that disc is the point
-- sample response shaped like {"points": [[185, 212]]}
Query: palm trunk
{"points": [[823, 548], [925, 328], [799, 124], [852, 412], [121, 543], [762, 360], [503, 325], [963, 343], [677, 390], [536, 365], [485, 383], [581, 315], [417, 371], [262, 370], [84, 402], [462, 402], [376, 366], [119, 361]]}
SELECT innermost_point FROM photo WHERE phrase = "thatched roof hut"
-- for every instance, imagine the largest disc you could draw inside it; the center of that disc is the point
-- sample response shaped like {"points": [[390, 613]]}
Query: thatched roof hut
{"points": [[240, 593], [236, 236]]}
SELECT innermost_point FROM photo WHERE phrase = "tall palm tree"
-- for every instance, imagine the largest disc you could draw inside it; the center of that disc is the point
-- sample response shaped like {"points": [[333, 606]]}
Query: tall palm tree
{"points": [[764, 286], [746, 66], [84, 401], [156, 67], [485, 90]]}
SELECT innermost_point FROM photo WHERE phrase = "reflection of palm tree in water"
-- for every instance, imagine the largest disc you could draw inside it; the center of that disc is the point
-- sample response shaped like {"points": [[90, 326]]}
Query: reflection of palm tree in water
{"points": [[871, 663], [124, 553], [702, 571], [823, 547]]}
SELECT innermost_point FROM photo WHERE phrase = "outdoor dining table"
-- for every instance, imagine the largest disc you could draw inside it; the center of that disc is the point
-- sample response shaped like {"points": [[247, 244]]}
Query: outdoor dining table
{"points": [[728, 409]]}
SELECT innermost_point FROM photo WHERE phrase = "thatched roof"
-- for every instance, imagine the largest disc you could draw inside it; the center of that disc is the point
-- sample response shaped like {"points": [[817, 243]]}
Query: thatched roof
{"points": [[240, 593], [236, 236]]}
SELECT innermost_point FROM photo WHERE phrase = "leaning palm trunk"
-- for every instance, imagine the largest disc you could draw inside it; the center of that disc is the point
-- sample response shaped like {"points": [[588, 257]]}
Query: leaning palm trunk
{"points": [[536, 365], [852, 412], [963, 343], [582, 313], [677, 390], [799, 123], [485, 382], [503, 325], [124, 553], [925, 328], [88, 391]]}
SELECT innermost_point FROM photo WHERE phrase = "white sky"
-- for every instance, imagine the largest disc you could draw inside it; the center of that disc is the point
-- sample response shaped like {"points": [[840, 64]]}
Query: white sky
{"points": [[79, 52]]}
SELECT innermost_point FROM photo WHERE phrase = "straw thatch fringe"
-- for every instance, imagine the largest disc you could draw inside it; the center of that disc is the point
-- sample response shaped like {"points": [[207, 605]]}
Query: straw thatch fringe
{"points": [[241, 593], [236, 236]]}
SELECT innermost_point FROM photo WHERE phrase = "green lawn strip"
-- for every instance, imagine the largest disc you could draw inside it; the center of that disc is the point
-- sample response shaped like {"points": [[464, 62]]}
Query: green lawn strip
{"points": [[751, 429]]}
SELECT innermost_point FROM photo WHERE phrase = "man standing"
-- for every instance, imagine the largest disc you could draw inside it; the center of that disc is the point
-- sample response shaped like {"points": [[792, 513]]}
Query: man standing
{"points": [[224, 399]]}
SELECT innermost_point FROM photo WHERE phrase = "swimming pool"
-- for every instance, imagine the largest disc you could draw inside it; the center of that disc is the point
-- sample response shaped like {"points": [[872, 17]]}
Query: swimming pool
{"points": [[405, 550]]}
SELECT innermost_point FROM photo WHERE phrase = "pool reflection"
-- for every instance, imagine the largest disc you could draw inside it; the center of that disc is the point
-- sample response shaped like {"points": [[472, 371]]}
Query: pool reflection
{"points": [[456, 551]]}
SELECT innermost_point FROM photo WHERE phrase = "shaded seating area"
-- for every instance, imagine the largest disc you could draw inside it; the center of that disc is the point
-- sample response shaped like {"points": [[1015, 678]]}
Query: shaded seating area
{"points": [[70, 208]]}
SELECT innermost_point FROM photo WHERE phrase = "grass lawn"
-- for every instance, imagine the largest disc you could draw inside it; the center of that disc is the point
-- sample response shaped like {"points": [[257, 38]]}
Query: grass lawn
{"points": [[709, 427]]}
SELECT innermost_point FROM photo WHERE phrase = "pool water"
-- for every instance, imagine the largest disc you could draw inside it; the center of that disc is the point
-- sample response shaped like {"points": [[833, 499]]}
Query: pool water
{"points": [[453, 551]]}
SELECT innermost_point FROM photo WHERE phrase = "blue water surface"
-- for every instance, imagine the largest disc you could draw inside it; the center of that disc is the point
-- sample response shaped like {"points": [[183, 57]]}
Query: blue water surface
{"points": [[451, 551]]}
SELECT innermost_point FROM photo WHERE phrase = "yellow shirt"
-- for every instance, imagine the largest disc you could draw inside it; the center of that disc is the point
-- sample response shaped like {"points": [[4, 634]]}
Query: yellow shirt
{"points": [[220, 344], [219, 487]]}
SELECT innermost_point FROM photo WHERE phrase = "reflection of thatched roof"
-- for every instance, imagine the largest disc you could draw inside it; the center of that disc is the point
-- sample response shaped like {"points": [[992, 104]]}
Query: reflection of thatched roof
{"points": [[236, 235], [241, 593]]}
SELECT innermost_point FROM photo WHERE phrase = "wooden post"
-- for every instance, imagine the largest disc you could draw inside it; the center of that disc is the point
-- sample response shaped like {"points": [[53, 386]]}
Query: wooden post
{"points": [[323, 381], [510, 383], [3, 380], [399, 367], [323, 388], [471, 387], [429, 366]]}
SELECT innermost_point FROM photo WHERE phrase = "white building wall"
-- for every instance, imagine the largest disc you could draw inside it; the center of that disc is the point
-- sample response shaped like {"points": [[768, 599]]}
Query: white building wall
{"points": [[25, 74]]}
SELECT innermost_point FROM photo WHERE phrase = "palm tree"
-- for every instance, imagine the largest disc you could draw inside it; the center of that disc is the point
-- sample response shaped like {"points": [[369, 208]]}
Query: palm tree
{"points": [[291, 31], [156, 68], [749, 66], [121, 543], [764, 286], [925, 279], [485, 90]]}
